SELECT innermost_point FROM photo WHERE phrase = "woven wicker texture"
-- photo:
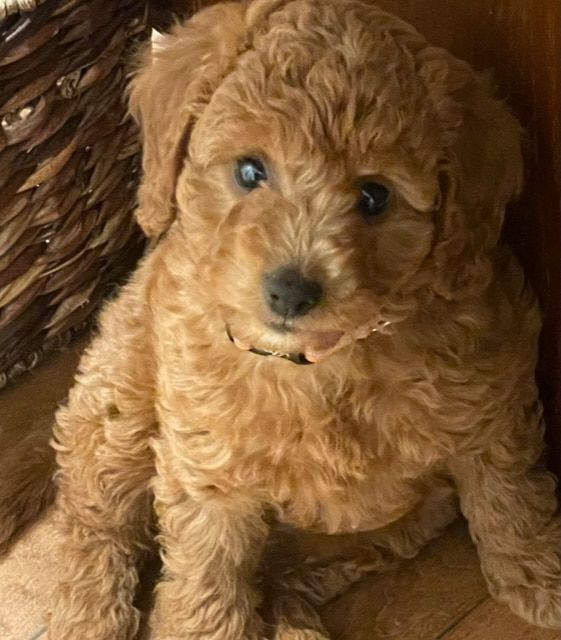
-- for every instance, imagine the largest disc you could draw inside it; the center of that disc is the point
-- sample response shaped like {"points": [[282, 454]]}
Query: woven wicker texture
{"points": [[68, 168], [8, 7]]}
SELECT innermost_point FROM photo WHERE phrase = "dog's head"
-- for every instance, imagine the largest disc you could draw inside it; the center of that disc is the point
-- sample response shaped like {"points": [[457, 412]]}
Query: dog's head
{"points": [[326, 168]]}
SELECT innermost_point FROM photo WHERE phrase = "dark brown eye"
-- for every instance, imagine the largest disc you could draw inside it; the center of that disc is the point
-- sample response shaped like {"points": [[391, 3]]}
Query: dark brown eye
{"points": [[373, 199], [250, 172]]}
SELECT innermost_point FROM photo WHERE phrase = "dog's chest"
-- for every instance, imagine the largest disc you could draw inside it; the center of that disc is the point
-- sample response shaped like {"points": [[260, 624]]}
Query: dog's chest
{"points": [[320, 471], [332, 484], [308, 453]]}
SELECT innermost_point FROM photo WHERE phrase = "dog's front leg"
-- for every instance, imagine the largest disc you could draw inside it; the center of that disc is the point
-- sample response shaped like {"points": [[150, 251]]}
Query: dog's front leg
{"points": [[511, 509], [103, 513], [211, 548]]}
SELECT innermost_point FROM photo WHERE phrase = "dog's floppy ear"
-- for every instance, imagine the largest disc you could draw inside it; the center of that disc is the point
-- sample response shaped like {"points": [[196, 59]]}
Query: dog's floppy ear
{"points": [[176, 80], [480, 174]]}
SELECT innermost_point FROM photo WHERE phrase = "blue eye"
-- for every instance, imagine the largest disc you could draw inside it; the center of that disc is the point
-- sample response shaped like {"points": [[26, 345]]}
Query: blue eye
{"points": [[250, 172], [373, 199]]}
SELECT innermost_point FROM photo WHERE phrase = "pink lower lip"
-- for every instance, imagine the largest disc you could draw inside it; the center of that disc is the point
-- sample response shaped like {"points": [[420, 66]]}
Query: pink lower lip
{"points": [[241, 345]]}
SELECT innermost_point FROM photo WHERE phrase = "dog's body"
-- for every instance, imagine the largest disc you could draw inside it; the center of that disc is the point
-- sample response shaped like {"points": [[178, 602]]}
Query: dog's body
{"points": [[424, 337]]}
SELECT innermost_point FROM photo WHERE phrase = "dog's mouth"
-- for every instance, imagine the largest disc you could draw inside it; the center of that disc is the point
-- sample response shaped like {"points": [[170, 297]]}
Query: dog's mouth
{"points": [[319, 345], [296, 358]]}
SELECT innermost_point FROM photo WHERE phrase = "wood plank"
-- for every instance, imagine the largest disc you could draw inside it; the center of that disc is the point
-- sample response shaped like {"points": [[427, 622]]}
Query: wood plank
{"points": [[33, 398], [418, 601], [491, 621]]}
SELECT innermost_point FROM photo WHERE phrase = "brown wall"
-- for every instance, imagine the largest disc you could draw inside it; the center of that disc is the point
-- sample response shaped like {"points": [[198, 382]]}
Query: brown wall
{"points": [[521, 41]]}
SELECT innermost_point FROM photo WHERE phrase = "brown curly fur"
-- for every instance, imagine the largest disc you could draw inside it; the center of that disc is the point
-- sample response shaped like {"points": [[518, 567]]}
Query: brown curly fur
{"points": [[166, 411]]}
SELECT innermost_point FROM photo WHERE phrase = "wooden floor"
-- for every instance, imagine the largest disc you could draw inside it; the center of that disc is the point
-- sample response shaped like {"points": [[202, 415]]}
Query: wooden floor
{"points": [[440, 595]]}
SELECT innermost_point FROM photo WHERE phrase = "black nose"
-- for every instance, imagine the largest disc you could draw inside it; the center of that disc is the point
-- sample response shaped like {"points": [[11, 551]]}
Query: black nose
{"points": [[289, 294]]}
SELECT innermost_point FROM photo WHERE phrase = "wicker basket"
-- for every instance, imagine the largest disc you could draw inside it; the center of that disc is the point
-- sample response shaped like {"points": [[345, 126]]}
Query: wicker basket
{"points": [[68, 167]]}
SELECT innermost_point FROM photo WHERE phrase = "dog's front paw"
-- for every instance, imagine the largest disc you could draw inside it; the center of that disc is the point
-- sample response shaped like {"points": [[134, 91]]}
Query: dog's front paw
{"points": [[159, 634], [541, 607], [284, 632], [233, 625], [529, 586], [81, 614]]}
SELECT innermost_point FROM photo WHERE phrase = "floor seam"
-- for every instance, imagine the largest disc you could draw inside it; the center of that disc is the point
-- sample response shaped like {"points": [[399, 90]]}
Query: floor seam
{"points": [[458, 621]]}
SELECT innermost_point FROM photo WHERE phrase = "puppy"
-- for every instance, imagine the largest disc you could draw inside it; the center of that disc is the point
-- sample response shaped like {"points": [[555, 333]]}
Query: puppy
{"points": [[326, 333]]}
